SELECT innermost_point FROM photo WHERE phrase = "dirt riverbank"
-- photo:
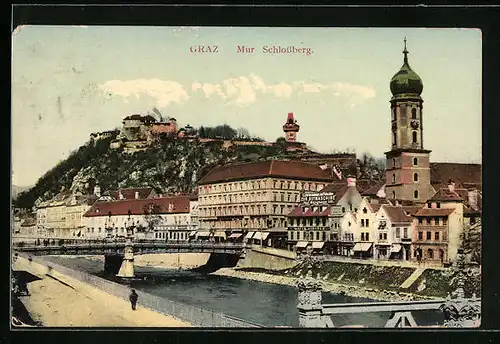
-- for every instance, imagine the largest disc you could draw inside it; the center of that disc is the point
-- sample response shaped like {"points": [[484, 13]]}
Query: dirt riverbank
{"points": [[65, 302]]}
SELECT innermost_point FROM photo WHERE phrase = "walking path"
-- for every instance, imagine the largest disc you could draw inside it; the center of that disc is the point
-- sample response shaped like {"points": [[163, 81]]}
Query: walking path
{"points": [[413, 277], [63, 302]]}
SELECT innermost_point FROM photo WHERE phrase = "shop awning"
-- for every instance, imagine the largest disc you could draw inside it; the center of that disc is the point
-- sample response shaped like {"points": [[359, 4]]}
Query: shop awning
{"points": [[318, 245], [395, 248], [220, 234], [192, 233], [362, 246], [260, 235], [249, 235], [235, 235], [203, 234], [302, 244]]}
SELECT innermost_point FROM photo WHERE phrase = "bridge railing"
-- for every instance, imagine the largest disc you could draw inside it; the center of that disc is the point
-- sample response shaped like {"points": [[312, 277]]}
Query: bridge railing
{"points": [[194, 315]]}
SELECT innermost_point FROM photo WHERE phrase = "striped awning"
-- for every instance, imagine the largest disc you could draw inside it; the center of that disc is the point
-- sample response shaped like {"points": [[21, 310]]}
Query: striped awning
{"points": [[395, 248], [192, 233], [249, 235], [235, 235], [318, 245], [260, 236], [203, 234], [220, 234], [362, 246], [302, 244]]}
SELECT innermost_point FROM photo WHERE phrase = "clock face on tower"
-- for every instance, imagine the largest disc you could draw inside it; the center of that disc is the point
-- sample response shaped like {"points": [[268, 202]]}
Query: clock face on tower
{"points": [[414, 124]]}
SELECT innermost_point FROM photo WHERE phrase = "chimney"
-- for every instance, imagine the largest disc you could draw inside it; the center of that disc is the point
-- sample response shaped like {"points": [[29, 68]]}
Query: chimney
{"points": [[472, 195], [137, 195], [451, 186], [351, 181]]}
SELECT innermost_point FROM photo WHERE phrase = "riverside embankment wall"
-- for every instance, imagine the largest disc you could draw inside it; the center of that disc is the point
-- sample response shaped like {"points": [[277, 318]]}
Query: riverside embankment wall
{"points": [[267, 258]]}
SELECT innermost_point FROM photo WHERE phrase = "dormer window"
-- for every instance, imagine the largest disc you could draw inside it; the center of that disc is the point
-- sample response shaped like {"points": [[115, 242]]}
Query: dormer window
{"points": [[365, 210]]}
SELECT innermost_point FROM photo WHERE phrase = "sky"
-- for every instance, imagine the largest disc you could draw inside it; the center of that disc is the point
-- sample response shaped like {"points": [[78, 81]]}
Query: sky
{"points": [[68, 82]]}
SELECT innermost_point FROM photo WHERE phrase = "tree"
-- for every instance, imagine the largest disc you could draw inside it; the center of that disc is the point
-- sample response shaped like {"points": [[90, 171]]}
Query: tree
{"points": [[470, 239], [152, 215]]}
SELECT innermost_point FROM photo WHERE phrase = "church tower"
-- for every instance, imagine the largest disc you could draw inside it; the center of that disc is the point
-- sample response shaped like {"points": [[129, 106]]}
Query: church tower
{"points": [[408, 165], [291, 128]]}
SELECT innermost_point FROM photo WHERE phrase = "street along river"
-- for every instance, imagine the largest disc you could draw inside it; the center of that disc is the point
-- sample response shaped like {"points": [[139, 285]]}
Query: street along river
{"points": [[258, 302]]}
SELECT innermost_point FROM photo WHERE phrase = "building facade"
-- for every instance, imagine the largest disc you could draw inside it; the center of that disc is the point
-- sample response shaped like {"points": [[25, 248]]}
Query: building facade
{"points": [[255, 196], [165, 218]]}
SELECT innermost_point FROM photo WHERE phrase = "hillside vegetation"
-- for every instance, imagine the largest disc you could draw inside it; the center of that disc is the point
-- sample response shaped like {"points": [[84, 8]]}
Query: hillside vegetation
{"points": [[168, 166]]}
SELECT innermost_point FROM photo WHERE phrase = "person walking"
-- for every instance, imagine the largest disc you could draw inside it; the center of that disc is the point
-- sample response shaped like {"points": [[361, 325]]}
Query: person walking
{"points": [[133, 299]]}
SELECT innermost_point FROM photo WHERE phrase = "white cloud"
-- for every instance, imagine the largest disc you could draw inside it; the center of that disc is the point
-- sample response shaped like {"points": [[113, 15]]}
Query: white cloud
{"points": [[164, 91], [240, 91]]}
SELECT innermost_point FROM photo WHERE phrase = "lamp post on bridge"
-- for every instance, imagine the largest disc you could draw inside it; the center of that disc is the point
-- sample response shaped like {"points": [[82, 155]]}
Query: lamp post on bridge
{"points": [[310, 298], [127, 267], [460, 311]]}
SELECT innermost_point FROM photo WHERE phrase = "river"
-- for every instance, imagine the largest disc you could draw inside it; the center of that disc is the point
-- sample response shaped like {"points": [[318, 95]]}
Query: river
{"points": [[263, 303]]}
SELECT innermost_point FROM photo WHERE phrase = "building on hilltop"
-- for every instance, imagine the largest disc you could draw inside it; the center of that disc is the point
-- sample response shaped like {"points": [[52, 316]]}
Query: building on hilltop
{"points": [[291, 128], [408, 165], [254, 198], [165, 218]]}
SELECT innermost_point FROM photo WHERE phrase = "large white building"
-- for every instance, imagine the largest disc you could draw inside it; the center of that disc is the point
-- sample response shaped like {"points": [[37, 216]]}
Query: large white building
{"points": [[158, 218]]}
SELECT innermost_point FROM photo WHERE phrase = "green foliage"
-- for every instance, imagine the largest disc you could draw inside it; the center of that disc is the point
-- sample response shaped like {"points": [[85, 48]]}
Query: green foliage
{"points": [[167, 166]]}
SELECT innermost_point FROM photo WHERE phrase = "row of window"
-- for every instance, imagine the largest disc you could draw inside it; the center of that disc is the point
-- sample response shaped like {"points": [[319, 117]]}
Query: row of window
{"points": [[260, 184], [433, 221], [414, 137], [250, 197], [415, 194], [415, 162], [315, 221], [303, 235], [413, 113], [428, 235], [172, 235], [415, 178], [259, 209], [246, 223]]}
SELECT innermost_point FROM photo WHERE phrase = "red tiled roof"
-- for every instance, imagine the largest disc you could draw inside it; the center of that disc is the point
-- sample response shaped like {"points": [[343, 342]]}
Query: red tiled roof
{"points": [[372, 191], [273, 168], [375, 207], [130, 193], [434, 212], [297, 212], [464, 175], [137, 206], [444, 194], [396, 214]]}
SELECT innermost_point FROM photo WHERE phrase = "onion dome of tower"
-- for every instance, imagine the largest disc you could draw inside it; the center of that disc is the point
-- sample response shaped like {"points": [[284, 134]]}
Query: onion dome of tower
{"points": [[406, 81]]}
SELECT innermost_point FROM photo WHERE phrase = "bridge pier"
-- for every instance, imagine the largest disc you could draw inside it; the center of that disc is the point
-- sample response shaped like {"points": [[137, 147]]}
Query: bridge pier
{"points": [[127, 265], [112, 264], [310, 306]]}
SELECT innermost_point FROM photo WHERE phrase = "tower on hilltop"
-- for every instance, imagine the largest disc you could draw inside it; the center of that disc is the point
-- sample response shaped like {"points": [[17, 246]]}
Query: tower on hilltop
{"points": [[291, 128], [408, 166]]}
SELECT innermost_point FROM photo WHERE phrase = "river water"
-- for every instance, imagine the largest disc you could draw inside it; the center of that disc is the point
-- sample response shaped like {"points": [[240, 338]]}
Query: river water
{"points": [[263, 303]]}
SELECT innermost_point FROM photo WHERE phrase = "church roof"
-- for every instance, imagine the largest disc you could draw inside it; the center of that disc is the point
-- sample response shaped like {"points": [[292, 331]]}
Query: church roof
{"points": [[406, 81], [463, 175]]}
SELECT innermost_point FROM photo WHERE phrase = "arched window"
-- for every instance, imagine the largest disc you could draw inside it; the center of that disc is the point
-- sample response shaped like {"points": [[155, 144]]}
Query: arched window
{"points": [[393, 178], [415, 194], [415, 177], [394, 138], [414, 113], [394, 113], [393, 162], [414, 137], [415, 161]]}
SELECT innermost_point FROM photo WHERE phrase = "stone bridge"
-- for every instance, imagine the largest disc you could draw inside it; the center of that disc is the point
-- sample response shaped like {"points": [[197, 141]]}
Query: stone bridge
{"points": [[119, 255]]}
